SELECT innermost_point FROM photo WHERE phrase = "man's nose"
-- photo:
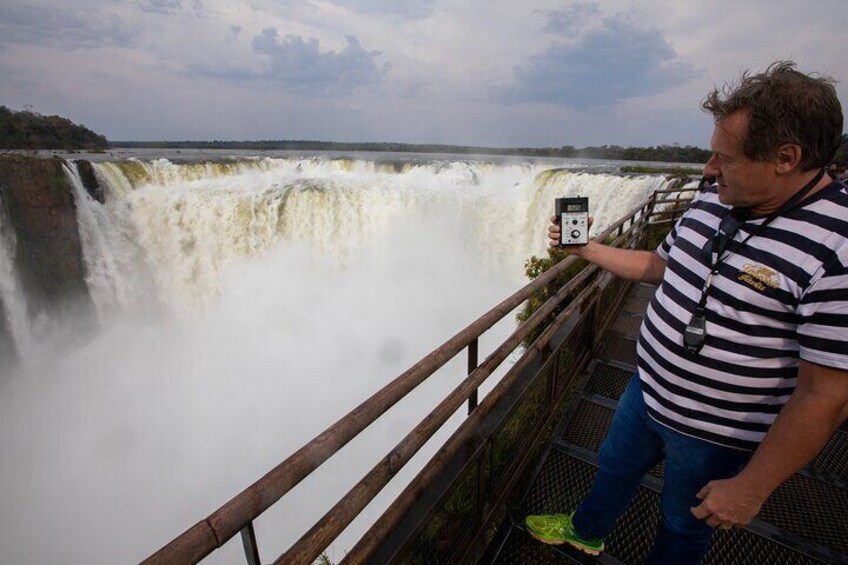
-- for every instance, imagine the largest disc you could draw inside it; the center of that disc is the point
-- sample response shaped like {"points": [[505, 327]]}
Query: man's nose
{"points": [[711, 169]]}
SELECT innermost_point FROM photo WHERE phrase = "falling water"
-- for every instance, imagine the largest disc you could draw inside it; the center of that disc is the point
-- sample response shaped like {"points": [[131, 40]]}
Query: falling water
{"points": [[244, 307], [11, 292]]}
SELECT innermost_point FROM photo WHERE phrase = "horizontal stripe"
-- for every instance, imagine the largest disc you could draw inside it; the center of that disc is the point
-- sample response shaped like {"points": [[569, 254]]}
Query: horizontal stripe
{"points": [[720, 439], [823, 344], [750, 330], [826, 295], [827, 319], [698, 415], [738, 403], [719, 370], [748, 349]]}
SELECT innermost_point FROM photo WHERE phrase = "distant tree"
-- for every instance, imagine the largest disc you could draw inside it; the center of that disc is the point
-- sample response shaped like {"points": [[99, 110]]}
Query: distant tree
{"points": [[28, 130], [841, 157]]}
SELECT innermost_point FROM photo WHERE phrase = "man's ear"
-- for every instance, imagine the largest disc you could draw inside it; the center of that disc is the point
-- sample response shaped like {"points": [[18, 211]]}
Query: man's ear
{"points": [[788, 158]]}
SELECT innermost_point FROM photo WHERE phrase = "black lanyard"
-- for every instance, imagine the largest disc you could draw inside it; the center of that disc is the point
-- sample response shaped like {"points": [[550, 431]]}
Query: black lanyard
{"points": [[695, 333]]}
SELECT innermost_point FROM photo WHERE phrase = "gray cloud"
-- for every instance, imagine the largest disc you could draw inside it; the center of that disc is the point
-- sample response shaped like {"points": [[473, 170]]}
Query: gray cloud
{"points": [[605, 66], [72, 29], [413, 9], [572, 18], [167, 7], [300, 66]]}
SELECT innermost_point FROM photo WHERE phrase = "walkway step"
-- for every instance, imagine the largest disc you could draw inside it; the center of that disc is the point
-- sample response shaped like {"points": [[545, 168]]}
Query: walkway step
{"points": [[563, 480], [811, 507]]}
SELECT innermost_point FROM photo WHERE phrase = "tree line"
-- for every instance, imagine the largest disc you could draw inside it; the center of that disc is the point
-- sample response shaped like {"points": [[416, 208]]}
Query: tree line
{"points": [[666, 153], [841, 157], [663, 153], [28, 130]]}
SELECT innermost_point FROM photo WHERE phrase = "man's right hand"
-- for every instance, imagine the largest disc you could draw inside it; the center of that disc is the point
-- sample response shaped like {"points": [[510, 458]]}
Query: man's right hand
{"points": [[554, 232], [631, 264]]}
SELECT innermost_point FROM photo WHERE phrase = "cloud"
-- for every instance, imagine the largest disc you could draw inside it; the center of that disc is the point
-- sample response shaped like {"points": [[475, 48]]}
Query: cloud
{"points": [[609, 63], [300, 66], [168, 7], [72, 29], [412, 9], [572, 18]]}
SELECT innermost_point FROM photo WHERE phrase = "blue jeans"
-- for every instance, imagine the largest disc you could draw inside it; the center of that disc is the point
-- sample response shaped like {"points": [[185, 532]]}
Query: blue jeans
{"points": [[634, 444]]}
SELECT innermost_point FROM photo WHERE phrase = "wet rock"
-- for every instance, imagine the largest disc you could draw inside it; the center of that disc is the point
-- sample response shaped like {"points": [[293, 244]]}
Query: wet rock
{"points": [[89, 180], [48, 256], [8, 352]]}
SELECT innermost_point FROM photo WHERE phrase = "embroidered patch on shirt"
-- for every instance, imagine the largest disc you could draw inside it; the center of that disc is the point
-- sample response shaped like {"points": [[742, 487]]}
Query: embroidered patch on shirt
{"points": [[759, 277]]}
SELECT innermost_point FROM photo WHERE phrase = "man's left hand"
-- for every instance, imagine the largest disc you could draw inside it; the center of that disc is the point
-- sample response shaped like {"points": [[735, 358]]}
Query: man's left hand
{"points": [[727, 503]]}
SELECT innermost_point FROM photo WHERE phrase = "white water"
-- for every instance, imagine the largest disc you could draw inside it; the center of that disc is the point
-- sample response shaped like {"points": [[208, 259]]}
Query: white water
{"points": [[244, 309], [11, 293]]}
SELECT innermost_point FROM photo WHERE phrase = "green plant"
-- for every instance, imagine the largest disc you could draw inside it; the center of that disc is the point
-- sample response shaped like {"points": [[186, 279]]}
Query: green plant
{"points": [[533, 268]]}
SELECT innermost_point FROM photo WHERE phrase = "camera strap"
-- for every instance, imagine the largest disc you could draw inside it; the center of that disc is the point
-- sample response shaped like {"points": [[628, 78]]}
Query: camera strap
{"points": [[695, 333]]}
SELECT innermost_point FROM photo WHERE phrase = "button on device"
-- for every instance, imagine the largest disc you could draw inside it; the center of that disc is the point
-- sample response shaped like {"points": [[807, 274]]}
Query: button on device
{"points": [[574, 222], [575, 234]]}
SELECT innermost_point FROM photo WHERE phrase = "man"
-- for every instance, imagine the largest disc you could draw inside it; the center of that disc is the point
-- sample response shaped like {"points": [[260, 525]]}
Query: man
{"points": [[743, 355]]}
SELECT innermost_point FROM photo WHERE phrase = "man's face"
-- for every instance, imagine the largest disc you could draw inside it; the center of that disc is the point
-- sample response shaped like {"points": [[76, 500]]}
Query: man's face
{"points": [[742, 182]]}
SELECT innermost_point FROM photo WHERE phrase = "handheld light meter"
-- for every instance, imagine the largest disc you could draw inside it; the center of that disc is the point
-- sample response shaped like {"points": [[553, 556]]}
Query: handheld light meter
{"points": [[573, 216]]}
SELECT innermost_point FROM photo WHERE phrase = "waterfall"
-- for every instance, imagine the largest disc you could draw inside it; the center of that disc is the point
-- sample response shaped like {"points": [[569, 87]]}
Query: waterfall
{"points": [[115, 273], [244, 307], [189, 222], [11, 293]]}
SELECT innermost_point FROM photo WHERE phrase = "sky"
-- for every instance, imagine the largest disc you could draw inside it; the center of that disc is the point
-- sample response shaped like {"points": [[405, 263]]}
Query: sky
{"points": [[499, 73]]}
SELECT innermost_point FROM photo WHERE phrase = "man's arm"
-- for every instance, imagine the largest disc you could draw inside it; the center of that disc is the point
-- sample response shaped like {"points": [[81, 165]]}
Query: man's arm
{"points": [[631, 264], [803, 427]]}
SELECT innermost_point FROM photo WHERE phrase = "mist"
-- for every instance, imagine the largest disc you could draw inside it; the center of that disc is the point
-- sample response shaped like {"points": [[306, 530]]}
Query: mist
{"points": [[114, 448]]}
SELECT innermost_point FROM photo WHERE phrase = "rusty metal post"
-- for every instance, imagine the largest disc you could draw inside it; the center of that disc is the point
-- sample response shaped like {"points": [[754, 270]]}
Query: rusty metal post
{"points": [[478, 486], [472, 365], [248, 540], [553, 380]]}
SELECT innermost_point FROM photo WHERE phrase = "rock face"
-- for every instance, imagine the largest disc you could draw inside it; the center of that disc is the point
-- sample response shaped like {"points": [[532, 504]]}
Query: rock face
{"points": [[89, 180], [48, 257], [8, 354]]}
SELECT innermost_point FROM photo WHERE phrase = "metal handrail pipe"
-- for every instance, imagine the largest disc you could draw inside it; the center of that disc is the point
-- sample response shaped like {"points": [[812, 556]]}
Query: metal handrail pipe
{"points": [[673, 207], [211, 533], [630, 215], [674, 190], [313, 542], [368, 543]]}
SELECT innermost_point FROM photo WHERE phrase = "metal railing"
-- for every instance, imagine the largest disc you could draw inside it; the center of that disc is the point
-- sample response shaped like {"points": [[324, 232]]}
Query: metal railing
{"points": [[569, 323]]}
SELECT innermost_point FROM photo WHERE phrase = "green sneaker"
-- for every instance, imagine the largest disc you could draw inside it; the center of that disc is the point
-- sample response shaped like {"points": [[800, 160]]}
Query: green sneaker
{"points": [[556, 529]]}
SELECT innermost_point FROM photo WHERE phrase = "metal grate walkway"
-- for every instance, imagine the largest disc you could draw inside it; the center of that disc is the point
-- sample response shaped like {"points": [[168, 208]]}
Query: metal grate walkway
{"points": [[804, 521]]}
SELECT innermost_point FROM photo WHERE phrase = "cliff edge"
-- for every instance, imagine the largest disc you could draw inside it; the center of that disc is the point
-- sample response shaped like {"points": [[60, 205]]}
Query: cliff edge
{"points": [[48, 260]]}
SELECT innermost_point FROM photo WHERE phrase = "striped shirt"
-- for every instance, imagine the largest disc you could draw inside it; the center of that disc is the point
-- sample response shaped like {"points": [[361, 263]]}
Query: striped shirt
{"points": [[780, 296]]}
